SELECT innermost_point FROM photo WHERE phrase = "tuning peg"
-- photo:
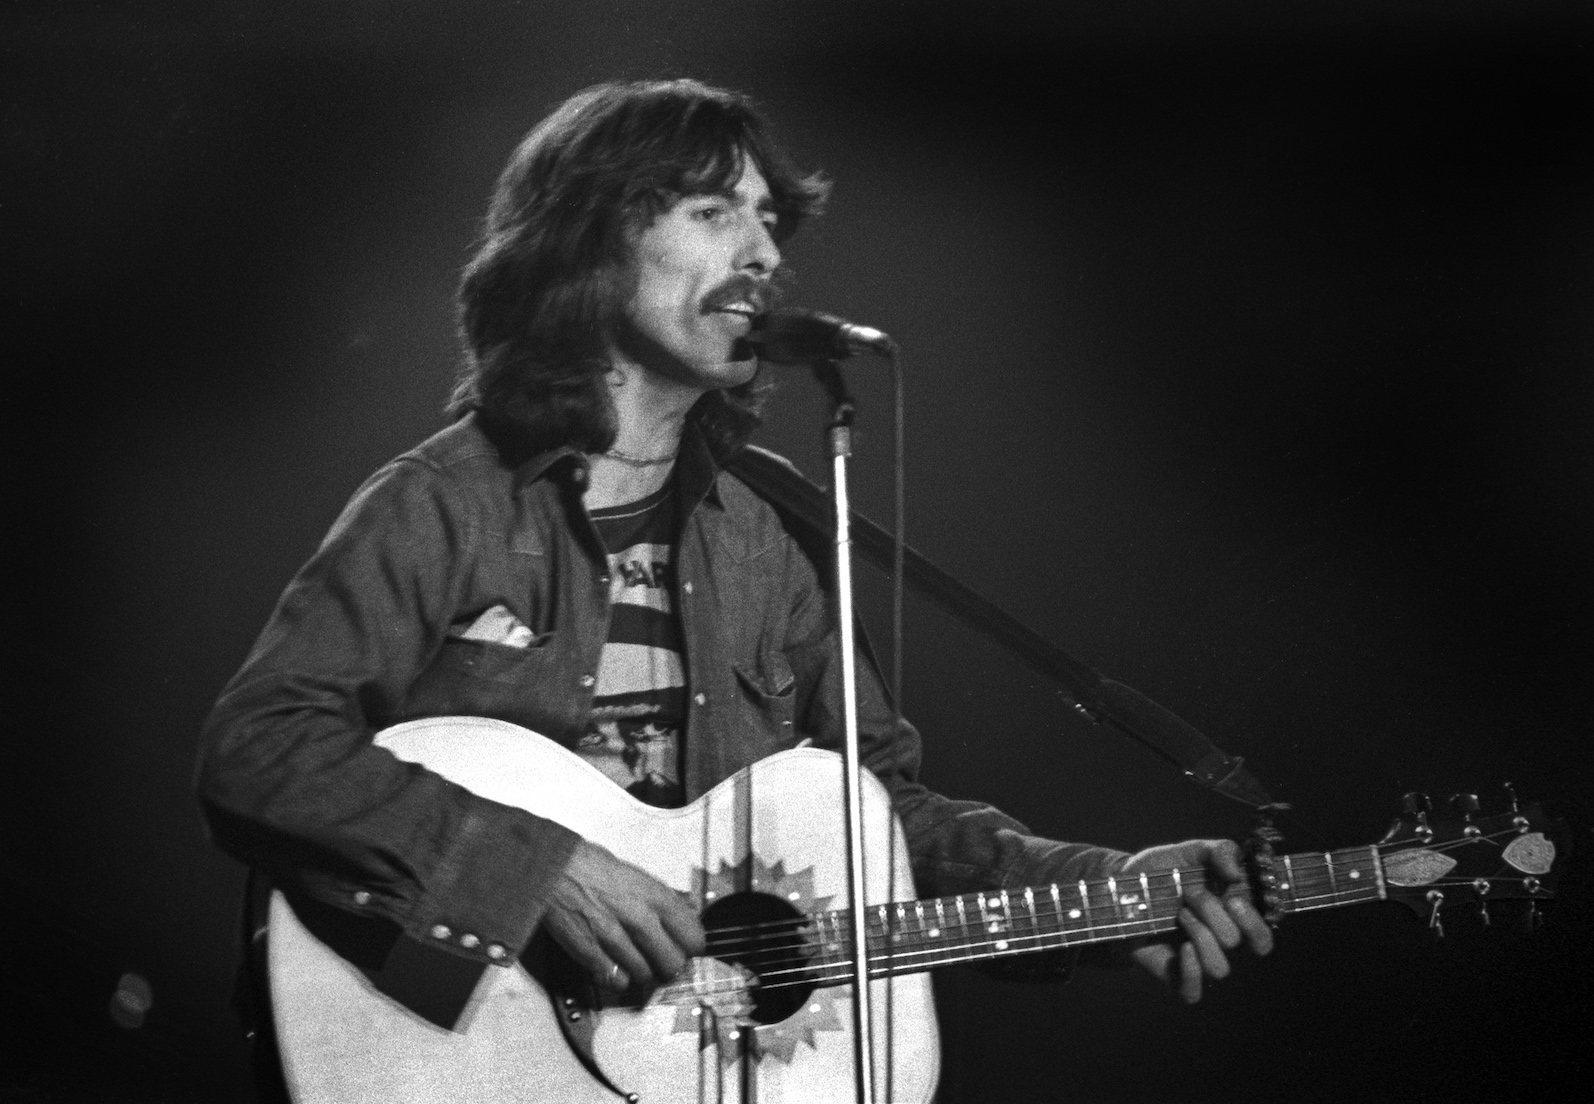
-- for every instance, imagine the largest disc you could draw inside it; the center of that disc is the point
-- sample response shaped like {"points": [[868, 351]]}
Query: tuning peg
{"points": [[1436, 899], [1467, 805], [1417, 806], [1481, 887], [1518, 821]]}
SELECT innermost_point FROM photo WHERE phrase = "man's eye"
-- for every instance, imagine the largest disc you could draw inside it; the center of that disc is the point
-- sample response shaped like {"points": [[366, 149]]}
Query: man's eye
{"points": [[710, 213]]}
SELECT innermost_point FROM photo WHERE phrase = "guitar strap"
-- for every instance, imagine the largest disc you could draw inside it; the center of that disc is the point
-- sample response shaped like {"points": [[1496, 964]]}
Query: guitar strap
{"points": [[805, 506]]}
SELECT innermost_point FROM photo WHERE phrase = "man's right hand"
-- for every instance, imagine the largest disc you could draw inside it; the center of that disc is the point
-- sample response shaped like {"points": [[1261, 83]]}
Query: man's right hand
{"points": [[621, 924]]}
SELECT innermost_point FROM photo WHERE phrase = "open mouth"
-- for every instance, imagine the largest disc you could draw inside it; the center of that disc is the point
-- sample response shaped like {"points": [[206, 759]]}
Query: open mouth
{"points": [[741, 296]]}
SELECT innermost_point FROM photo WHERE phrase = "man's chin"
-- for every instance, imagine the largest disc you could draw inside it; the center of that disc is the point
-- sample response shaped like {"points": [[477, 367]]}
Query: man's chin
{"points": [[741, 368]]}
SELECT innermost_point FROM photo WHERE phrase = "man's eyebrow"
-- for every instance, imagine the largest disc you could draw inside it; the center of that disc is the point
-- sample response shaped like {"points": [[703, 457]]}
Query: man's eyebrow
{"points": [[765, 204], [731, 192]]}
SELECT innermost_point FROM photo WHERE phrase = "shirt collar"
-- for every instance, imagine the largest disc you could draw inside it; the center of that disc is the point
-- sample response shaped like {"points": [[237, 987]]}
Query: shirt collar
{"points": [[696, 474], [696, 471], [566, 459]]}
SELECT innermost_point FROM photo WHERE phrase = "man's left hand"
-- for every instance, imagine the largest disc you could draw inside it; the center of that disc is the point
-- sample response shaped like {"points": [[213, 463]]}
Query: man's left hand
{"points": [[1217, 916]]}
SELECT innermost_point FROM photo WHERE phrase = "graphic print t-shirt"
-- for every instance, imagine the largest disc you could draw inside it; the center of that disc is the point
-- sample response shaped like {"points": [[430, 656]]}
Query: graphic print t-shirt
{"points": [[634, 734]]}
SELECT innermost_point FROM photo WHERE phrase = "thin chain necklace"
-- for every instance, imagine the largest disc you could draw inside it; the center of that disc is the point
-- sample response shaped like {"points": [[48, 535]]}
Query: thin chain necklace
{"points": [[637, 461]]}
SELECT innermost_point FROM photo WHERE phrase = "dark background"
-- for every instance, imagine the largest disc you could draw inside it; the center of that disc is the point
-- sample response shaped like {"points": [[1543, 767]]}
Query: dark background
{"points": [[1249, 353]]}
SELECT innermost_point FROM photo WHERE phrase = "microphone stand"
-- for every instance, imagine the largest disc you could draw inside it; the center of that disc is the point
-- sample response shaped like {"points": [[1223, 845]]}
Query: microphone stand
{"points": [[839, 437]]}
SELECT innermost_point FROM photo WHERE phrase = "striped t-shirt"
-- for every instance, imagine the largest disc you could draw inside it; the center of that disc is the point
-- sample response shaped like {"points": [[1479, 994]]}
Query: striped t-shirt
{"points": [[639, 709]]}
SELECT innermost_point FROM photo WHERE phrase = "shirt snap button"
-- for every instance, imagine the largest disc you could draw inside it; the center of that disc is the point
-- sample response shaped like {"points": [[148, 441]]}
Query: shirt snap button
{"points": [[587, 680]]}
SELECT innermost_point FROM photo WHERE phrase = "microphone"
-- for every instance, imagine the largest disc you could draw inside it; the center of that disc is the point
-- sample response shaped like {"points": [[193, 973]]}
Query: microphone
{"points": [[799, 336]]}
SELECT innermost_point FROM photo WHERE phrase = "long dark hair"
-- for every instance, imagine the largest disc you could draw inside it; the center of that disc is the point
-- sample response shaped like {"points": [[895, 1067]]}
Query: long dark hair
{"points": [[550, 277]]}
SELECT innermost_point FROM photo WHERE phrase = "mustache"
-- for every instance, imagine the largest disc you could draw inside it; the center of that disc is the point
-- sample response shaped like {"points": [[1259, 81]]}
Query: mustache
{"points": [[761, 292]]}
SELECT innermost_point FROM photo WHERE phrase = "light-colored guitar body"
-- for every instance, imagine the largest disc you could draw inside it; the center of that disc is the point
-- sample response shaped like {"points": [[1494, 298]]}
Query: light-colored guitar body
{"points": [[774, 831]]}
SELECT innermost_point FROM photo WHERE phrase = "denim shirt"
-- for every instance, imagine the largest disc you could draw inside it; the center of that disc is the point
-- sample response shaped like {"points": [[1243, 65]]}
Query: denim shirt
{"points": [[290, 780]]}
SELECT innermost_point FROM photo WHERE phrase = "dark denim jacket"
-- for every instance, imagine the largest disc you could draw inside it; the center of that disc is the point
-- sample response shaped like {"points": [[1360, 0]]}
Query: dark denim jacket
{"points": [[291, 783]]}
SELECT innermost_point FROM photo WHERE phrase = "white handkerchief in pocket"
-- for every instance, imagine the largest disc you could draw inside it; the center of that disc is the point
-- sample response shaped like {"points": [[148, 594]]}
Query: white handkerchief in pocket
{"points": [[498, 626]]}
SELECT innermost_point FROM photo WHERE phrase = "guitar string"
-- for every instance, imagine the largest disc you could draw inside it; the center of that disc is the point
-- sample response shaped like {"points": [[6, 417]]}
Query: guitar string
{"points": [[919, 944], [913, 940], [806, 946], [1196, 876], [976, 918], [807, 955], [911, 937], [981, 911], [962, 936], [920, 954], [837, 971], [906, 956], [952, 932], [906, 959]]}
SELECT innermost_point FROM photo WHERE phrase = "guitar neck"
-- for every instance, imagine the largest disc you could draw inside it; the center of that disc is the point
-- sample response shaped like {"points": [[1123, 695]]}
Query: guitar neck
{"points": [[905, 937]]}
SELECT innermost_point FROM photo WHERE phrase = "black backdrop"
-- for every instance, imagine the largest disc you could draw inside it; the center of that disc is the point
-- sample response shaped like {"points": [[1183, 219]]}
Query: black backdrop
{"points": [[1249, 355]]}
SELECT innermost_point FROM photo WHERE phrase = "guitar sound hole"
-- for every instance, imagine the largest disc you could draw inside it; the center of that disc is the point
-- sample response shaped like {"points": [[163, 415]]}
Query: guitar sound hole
{"points": [[763, 934]]}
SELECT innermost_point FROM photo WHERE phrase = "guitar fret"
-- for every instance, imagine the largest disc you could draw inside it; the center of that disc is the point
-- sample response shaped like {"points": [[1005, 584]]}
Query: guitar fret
{"points": [[1057, 913], [917, 946]]}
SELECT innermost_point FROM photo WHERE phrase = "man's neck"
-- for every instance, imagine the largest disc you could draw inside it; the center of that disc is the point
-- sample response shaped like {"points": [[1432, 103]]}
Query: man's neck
{"points": [[651, 415]]}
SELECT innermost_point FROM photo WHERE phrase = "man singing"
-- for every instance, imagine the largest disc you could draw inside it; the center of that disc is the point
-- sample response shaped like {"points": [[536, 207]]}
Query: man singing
{"points": [[571, 555]]}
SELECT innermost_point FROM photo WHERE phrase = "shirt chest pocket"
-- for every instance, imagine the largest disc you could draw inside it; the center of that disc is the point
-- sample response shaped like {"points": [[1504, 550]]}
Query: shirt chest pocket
{"points": [[482, 678], [767, 698]]}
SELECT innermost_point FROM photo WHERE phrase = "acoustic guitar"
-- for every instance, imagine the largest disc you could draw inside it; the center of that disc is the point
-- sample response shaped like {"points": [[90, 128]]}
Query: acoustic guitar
{"points": [[765, 1015]]}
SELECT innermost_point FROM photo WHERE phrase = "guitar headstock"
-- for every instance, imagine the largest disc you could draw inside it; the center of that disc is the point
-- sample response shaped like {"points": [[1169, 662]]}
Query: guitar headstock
{"points": [[1435, 866]]}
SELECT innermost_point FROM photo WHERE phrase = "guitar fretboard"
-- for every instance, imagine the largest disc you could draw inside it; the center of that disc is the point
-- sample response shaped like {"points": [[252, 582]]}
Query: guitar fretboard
{"points": [[908, 936]]}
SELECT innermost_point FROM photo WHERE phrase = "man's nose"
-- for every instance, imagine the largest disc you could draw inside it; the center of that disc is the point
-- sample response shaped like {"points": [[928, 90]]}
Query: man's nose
{"points": [[759, 253]]}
